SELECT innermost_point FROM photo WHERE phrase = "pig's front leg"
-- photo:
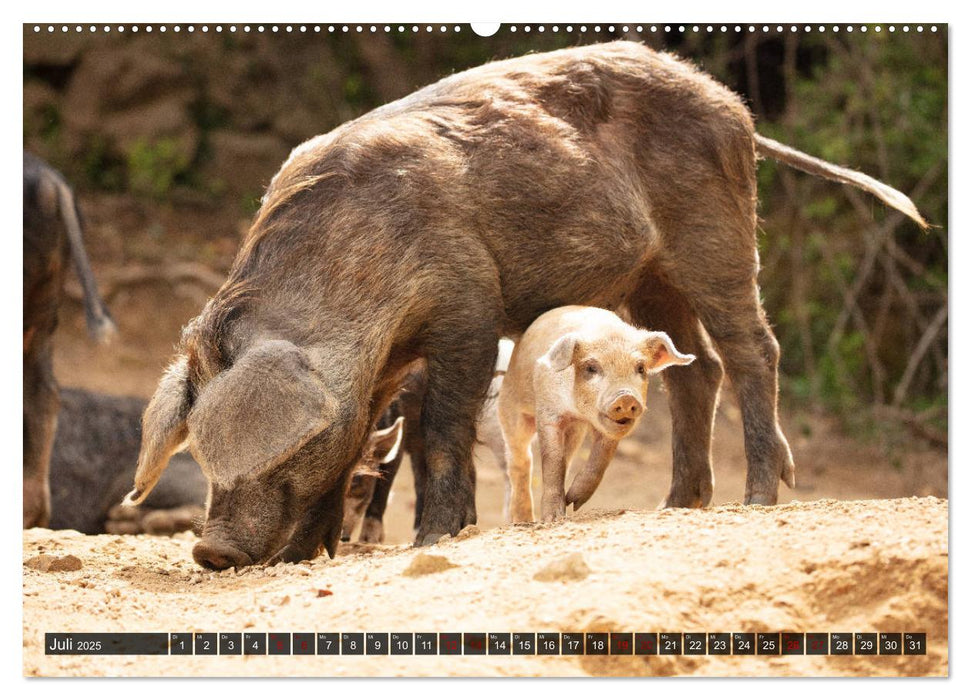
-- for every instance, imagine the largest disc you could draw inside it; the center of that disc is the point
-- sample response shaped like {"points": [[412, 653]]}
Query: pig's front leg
{"points": [[460, 363], [558, 443]]}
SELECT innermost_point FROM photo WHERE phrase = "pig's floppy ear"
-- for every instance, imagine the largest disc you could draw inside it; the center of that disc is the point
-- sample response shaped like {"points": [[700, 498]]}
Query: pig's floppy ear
{"points": [[384, 444], [561, 355], [163, 429], [259, 412], [661, 353]]}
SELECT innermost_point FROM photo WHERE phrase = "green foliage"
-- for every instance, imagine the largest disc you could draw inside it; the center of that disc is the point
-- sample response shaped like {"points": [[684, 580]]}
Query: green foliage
{"points": [[100, 166], [155, 166], [877, 103], [50, 126]]}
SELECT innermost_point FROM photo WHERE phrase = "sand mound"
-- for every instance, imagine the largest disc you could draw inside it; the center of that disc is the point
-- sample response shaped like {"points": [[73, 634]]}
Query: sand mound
{"points": [[824, 566]]}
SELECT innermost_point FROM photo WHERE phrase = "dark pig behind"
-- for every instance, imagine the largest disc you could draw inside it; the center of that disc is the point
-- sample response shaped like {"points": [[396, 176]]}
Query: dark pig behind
{"points": [[92, 465]]}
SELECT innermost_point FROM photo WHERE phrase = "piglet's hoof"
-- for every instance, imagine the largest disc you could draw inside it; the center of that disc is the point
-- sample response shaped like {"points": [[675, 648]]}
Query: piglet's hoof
{"points": [[372, 531]]}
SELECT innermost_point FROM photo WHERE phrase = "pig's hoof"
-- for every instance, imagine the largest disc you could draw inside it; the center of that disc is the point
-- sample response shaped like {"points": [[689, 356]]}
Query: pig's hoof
{"points": [[696, 495], [372, 531], [172, 520], [681, 502], [429, 538], [762, 487], [522, 513], [762, 498], [762, 483], [552, 513], [37, 503]]}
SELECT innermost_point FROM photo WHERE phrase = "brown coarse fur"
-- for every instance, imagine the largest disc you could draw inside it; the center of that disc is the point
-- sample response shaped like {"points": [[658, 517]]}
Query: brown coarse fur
{"points": [[607, 175]]}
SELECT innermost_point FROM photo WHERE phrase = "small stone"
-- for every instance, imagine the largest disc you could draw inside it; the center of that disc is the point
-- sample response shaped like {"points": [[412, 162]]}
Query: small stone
{"points": [[571, 567], [324, 592], [281, 600], [467, 532], [41, 562], [196, 578], [49, 563], [303, 570], [424, 564], [66, 563]]}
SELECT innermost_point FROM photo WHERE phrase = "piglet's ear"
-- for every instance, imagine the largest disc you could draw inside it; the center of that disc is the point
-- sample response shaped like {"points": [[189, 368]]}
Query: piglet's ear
{"points": [[259, 412], [383, 444], [661, 353], [561, 355]]}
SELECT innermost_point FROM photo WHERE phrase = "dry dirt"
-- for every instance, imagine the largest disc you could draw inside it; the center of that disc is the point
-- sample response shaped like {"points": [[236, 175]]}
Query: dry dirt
{"points": [[819, 566]]}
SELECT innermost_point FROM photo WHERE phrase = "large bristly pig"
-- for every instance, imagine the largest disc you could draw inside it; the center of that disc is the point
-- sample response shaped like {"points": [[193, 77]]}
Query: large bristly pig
{"points": [[604, 175]]}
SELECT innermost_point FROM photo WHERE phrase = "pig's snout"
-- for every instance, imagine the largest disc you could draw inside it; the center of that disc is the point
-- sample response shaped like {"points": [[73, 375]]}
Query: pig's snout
{"points": [[217, 555], [625, 409]]}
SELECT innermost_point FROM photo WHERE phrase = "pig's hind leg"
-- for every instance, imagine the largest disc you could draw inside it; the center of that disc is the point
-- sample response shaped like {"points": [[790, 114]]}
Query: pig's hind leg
{"points": [[692, 390], [713, 263]]}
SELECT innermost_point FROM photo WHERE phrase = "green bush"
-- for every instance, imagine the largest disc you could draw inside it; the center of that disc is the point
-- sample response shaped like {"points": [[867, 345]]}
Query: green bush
{"points": [[155, 166]]}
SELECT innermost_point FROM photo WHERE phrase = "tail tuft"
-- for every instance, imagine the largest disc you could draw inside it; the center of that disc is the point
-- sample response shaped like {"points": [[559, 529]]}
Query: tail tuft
{"points": [[821, 168], [101, 328]]}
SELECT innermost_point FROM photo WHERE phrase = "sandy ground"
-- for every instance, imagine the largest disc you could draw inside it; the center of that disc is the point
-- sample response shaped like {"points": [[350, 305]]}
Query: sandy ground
{"points": [[822, 566]]}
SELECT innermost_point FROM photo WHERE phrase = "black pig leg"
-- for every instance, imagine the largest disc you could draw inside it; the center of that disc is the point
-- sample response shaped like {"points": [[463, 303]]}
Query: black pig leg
{"points": [[419, 470], [692, 390], [719, 284], [461, 357], [41, 403]]}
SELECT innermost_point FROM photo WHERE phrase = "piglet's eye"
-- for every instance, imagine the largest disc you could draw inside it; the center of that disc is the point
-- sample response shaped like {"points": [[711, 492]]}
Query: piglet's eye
{"points": [[641, 369], [591, 369]]}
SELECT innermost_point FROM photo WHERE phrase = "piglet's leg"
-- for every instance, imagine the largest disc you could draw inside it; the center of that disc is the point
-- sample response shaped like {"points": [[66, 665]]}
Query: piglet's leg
{"points": [[372, 529], [586, 481], [557, 444], [518, 431]]}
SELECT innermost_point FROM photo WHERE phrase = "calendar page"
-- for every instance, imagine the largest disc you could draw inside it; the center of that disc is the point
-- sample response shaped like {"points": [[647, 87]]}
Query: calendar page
{"points": [[422, 349]]}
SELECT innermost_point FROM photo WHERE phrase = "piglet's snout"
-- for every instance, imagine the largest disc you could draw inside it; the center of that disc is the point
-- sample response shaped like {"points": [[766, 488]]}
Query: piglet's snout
{"points": [[625, 408]]}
